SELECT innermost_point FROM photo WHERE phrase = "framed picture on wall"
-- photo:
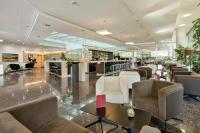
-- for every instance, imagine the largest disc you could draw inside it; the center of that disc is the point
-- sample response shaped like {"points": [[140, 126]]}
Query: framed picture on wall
{"points": [[9, 57]]}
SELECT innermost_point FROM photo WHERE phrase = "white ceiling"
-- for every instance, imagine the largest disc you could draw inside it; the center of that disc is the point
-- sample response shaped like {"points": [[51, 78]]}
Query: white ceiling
{"points": [[129, 20], [188, 7]]}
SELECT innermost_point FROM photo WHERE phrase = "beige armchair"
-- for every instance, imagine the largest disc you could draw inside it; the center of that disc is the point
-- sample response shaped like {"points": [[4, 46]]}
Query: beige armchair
{"points": [[115, 89], [162, 99]]}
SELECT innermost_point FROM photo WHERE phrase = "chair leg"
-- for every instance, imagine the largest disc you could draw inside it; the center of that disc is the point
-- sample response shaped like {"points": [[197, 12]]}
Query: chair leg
{"points": [[195, 98], [177, 119]]}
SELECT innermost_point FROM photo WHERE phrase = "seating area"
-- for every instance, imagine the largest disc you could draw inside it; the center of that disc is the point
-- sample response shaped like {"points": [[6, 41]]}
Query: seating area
{"points": [[99, 66]]}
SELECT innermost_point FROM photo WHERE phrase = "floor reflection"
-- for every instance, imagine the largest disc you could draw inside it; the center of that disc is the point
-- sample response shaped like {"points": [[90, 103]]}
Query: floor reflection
{"points": [[19, 88]]}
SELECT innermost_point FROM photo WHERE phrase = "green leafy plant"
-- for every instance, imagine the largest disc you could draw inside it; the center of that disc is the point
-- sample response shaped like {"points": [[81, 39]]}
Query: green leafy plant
{"points": [[190, 59], [180, 54], [69, 61], [196, 34], [196, 66]]}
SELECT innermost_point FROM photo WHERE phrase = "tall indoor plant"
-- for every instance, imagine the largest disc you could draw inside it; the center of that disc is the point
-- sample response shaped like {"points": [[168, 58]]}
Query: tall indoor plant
{"points": [[69, 63], [196, 34]]}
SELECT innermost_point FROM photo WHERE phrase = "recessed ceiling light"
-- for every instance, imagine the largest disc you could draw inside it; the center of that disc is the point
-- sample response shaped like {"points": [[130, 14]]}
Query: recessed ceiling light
{"points": [[74, 2], [163, 31], [103, 32], [47, 25], [129, 43], [18, 40], [1, 40], [186, 15], [181, 25]]}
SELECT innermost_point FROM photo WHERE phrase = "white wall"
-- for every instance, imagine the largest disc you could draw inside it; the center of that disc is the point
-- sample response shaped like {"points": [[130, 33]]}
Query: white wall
{"points": [[19, 49]]}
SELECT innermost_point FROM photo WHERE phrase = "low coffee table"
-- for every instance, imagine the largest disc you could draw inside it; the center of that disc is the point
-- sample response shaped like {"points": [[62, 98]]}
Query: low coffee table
{"points": [[115, 114]]}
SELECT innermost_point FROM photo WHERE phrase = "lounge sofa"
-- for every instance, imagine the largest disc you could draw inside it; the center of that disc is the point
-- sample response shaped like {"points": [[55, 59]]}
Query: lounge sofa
{"points": [[39, 116]]}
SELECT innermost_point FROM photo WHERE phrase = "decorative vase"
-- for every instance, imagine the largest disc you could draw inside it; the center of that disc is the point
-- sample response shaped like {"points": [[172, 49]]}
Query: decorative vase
{"points": [[131, 112]]}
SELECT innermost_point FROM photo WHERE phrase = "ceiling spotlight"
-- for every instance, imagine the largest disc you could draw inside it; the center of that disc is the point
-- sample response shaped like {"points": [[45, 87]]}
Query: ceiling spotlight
{"points": [[74, 2], [103, 32], [163, 31], [181, 25], [129, 43], [1, 40], [47, 25], [186, 15]]}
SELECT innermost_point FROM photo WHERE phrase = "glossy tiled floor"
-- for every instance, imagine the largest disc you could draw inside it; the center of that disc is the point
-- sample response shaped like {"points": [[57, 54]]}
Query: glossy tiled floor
{"points": [[18, 88]]}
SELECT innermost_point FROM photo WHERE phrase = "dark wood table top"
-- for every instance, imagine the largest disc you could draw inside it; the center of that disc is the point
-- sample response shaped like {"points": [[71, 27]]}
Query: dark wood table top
{"points": [[118, 114]]}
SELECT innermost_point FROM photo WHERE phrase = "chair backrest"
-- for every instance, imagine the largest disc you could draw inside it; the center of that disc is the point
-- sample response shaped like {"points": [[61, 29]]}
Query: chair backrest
{"points": [[107, 82], [148, 69], [29, 65], [130, 77], [190, 83], [36, 113], [15, 67], [111, 82], [158, 84]]}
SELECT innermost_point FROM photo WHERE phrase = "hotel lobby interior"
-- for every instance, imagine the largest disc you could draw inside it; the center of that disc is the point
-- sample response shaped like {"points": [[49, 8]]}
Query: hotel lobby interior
{"points": [[99, 66]]}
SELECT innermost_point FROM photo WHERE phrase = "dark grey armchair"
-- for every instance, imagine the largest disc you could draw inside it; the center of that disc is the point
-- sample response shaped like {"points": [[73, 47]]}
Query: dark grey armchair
{"points": [[191, 84]]}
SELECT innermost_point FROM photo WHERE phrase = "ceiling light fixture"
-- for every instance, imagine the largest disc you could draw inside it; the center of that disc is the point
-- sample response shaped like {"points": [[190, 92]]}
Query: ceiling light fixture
{"points": [[74, 2], [186, 15], [163, 31], [1, 40], [129, 43], [103, 32], [47, 25], [181, 25], [18, 40]]}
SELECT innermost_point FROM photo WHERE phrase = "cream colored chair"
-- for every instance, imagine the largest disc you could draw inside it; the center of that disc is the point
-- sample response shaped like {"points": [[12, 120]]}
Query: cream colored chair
{"points": [[148, 129], [130, 77], [114, 87]]}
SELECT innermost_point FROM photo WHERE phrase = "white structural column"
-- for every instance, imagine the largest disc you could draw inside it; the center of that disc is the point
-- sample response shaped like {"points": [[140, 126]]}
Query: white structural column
{"points": [[181, 38]]}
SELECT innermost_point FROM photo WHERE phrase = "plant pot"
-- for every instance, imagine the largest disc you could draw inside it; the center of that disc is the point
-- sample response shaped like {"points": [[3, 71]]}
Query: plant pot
{"points": [[188, 52]]}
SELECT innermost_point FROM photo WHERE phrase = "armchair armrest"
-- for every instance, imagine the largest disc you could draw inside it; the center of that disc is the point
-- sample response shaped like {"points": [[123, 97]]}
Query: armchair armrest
{"points": [[100, 85], [170, 100], [124, 89]]}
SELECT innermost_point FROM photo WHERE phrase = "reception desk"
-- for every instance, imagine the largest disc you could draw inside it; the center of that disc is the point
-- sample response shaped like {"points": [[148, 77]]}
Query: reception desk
{"points": [[58, 68]]}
